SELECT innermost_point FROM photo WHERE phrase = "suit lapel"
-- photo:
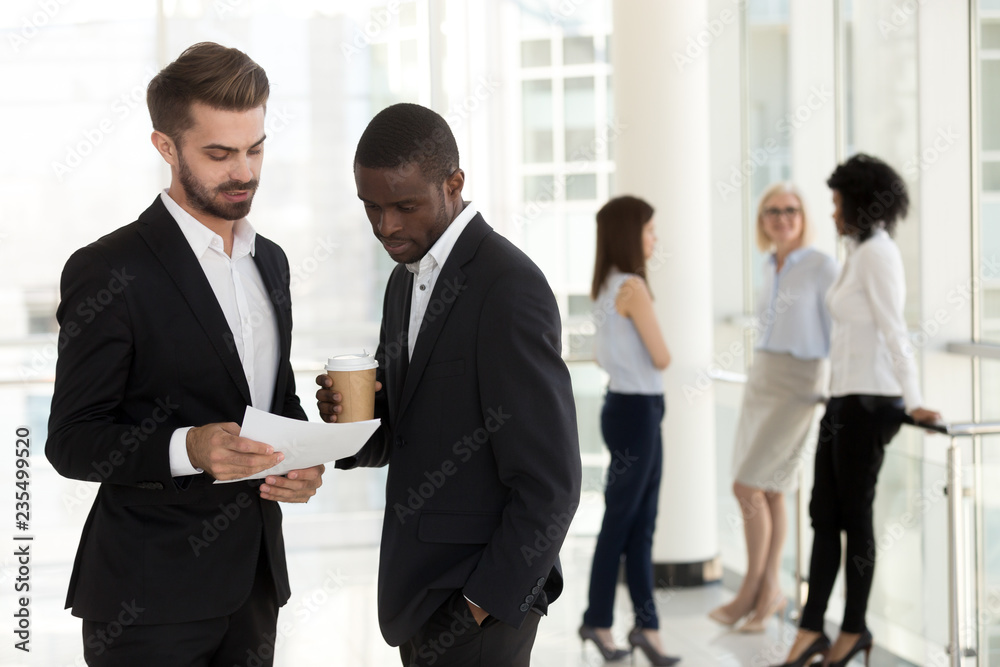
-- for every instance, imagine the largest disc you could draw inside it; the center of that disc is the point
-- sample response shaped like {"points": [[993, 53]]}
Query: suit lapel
{"points": [[267, 263], [397, 324], [450, 283], [167, 242]]}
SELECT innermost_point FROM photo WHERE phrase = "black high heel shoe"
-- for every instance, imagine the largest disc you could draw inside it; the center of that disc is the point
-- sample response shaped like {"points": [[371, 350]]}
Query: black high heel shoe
{"points": [[864, 643], [819, 647], [641, 642], [609, 654]]}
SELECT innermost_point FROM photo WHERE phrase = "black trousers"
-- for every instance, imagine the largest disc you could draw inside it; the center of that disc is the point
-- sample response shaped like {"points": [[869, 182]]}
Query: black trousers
{"points": [[853, 435], [630, 424], [245, 637], [452, 638]]}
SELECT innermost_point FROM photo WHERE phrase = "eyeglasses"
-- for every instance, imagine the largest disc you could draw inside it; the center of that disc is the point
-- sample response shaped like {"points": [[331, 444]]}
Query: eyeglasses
{"points": [[789, 212]]}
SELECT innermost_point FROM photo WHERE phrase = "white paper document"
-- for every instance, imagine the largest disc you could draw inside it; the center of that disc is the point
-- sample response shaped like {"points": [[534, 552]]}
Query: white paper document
{"points": [[304, 444]]}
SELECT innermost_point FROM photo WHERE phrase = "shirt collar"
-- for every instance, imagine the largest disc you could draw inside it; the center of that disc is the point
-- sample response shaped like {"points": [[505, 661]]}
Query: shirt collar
{"points": [[792, 258], [201, 238], [438, 253], [853, 244]]}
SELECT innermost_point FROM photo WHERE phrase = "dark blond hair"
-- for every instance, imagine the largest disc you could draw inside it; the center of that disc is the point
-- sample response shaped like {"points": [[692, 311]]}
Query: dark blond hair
{"points": [[619, 239], [217, 76], [763, 242]]}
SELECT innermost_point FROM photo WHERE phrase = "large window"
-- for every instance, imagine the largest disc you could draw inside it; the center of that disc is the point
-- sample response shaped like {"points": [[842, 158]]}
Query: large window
{"points": [[567, 131]]}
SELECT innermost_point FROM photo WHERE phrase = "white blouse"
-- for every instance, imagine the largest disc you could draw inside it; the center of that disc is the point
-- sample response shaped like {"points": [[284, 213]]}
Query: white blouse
{"points": [[870, 349], [619, 347]]}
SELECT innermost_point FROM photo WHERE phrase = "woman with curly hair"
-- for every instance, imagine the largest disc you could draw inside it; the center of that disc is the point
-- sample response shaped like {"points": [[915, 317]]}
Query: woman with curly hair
{"points": [[873, 380]]}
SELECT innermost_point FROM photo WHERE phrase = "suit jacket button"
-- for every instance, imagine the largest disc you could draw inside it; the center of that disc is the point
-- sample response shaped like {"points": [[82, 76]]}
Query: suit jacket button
{"points": [[400, 441], [525, 607], [534, 591], [529, 599], [541, 580]]}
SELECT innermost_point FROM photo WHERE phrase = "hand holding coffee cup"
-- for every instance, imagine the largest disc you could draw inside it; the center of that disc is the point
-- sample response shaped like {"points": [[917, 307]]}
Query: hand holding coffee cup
{"points": [[352, 376]]}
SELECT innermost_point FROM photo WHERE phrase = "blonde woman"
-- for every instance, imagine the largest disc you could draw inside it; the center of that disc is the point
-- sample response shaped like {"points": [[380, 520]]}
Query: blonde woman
{"points": [[785, 383]]}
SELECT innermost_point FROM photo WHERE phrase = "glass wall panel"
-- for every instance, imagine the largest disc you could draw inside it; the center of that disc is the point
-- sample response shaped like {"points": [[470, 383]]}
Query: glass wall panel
{"points": [[538, 185], [536, 53], [989, 286], [989, 81], [579, 110], [768, 161], [578, 50], [581, 187], [567, 126], [537, 120]]}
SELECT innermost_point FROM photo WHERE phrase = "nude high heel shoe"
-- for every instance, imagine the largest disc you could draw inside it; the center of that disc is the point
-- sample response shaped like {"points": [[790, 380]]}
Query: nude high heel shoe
{"points": [[720, 616], [757, 622]]}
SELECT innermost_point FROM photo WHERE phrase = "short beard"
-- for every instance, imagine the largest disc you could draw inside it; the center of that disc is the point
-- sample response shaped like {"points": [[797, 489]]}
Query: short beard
{"points": [[204, 200], [442, 220]]}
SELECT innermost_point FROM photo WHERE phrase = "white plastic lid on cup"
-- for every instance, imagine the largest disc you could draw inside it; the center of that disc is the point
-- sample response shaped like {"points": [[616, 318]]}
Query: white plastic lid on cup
{"points": [[351, 362]]}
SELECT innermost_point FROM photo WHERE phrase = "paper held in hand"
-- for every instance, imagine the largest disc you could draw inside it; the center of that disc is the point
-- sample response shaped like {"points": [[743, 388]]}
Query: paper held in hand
{"points": [[304, 444]]}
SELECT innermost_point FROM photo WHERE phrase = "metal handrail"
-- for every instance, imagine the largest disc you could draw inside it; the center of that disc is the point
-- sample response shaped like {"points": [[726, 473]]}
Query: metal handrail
{"points": [[956, 524], [956, 533], [974, 349]]}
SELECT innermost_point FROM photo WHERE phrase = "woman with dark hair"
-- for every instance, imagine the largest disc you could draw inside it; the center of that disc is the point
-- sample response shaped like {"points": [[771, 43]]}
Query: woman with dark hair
{"points": [[873, 380], [630, 347], [785, 383]]}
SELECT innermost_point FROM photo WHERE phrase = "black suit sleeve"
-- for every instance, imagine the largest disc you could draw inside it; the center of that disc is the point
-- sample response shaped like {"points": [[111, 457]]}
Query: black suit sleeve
{"points": [[292, 406], [89, 435], [524, 383], [375, 452]]}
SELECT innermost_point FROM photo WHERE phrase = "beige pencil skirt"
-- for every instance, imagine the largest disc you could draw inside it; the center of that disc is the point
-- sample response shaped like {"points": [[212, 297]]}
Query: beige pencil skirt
{"points": [[779, 404]]}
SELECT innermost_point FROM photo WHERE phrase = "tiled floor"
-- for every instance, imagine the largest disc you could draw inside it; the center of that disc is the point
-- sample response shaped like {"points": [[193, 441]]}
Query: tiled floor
{"points": [[331, 618], [339, 627]]}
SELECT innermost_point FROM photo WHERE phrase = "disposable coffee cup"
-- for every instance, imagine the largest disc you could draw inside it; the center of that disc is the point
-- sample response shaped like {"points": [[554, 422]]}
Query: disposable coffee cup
{"points": [[353, 376]]}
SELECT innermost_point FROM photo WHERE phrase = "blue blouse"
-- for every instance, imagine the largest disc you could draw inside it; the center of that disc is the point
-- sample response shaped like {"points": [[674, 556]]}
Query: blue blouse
{"points": [[619, 348], [792, 317]]}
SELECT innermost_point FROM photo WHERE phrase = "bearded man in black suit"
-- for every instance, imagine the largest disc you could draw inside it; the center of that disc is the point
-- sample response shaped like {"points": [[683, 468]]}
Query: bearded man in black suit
{"points": [[171, 327]]}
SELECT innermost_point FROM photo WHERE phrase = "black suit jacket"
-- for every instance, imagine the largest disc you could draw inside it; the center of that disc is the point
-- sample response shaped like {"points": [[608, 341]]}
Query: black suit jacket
{"points": [[479, 431], [144, 348]]}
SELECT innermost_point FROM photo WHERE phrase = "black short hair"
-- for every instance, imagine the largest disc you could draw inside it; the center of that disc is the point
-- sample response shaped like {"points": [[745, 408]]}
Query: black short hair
{"points": [[870, 191], [405, 134]]}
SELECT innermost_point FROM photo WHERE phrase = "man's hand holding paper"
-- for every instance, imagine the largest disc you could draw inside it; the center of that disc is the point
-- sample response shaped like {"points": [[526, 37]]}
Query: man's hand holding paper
{"points": [[297, 447], [219, 450], [298, 486]]}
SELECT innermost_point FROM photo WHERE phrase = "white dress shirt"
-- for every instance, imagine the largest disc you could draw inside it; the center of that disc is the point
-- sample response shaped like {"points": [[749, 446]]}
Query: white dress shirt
{"points": [[870, 349], [241, 294], [791, 305], [425, 274], [426, 271]]}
